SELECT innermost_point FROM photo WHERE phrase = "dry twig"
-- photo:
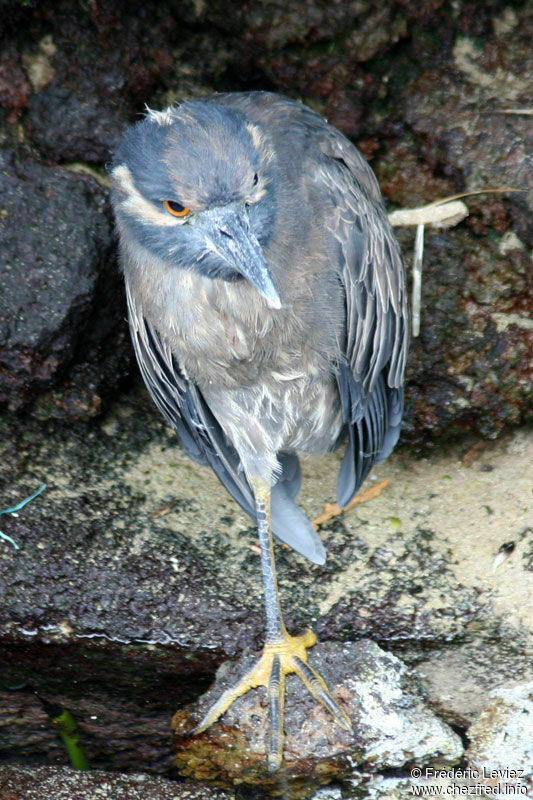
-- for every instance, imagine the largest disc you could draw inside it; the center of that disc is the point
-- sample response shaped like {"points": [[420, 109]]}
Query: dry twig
{"points": [[332, 510]]}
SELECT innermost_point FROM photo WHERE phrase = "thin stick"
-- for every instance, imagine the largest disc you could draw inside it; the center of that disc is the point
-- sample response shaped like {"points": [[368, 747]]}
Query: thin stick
{"points": [[417, 279]]}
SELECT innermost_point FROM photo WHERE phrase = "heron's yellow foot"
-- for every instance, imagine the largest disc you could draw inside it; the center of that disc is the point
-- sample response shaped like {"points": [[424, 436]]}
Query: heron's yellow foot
{"points": [[279, 658]]}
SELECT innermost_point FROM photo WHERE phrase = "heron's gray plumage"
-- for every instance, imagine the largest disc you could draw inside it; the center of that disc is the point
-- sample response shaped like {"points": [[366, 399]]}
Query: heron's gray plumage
{"points": [[248, 384]]}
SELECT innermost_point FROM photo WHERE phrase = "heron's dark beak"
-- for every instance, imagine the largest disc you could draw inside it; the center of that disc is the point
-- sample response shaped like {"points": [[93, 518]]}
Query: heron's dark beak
{"points": [[229, 235]]}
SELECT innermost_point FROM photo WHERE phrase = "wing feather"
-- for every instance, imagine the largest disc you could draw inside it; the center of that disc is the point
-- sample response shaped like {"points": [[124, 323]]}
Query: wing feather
{"points": [[184, 407], [371, 373]]}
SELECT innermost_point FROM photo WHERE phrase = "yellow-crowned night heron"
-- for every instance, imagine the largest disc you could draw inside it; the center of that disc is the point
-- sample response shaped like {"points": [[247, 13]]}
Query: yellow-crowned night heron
{"points": [[268, 312]]}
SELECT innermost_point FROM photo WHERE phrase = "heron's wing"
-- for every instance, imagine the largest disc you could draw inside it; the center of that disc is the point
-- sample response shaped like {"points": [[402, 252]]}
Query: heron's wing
{"points": [[184, 407], [371, 373]]}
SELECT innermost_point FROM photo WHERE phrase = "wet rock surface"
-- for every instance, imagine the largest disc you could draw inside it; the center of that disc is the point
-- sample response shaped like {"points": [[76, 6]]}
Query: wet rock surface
{"points": [[97, 132]]}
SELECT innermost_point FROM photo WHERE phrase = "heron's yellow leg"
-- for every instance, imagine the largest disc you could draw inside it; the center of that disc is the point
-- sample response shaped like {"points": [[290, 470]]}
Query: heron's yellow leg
{"points": [[282, 653]]}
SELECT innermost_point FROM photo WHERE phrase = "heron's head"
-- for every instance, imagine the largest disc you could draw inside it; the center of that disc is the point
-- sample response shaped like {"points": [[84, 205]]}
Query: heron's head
{"points": [[194, 186]]}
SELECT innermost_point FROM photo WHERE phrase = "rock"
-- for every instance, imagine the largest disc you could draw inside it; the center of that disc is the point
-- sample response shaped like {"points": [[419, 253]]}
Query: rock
{"points": [[471, 357], [69, 126], [413, 605], [459, 682], [116, 630], [490, 148], [14, 85], [501, 739], [61, 308], [391, 724], [499, 759], [43, 783], [137, 576], [470, 368], [315, 51]]}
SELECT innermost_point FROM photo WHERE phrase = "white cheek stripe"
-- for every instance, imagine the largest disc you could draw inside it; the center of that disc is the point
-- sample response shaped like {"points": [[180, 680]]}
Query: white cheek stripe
{"points": [[136, 205]]}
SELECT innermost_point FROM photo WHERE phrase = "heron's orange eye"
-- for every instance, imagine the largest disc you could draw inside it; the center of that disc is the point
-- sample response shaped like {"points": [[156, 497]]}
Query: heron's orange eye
{"points": [[176, 209]]}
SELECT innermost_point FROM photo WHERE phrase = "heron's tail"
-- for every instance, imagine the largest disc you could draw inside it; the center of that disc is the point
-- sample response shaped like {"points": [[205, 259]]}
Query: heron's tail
{"points": [[289, 523]]}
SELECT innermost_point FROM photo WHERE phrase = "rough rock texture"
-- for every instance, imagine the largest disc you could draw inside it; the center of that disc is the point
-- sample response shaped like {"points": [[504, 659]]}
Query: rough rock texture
{"points": [[137, 577], [44, 783], [391, 725], [61, 319], [14, 84], [503, 736], [471, 367], [458, 682], [96, 134]]}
